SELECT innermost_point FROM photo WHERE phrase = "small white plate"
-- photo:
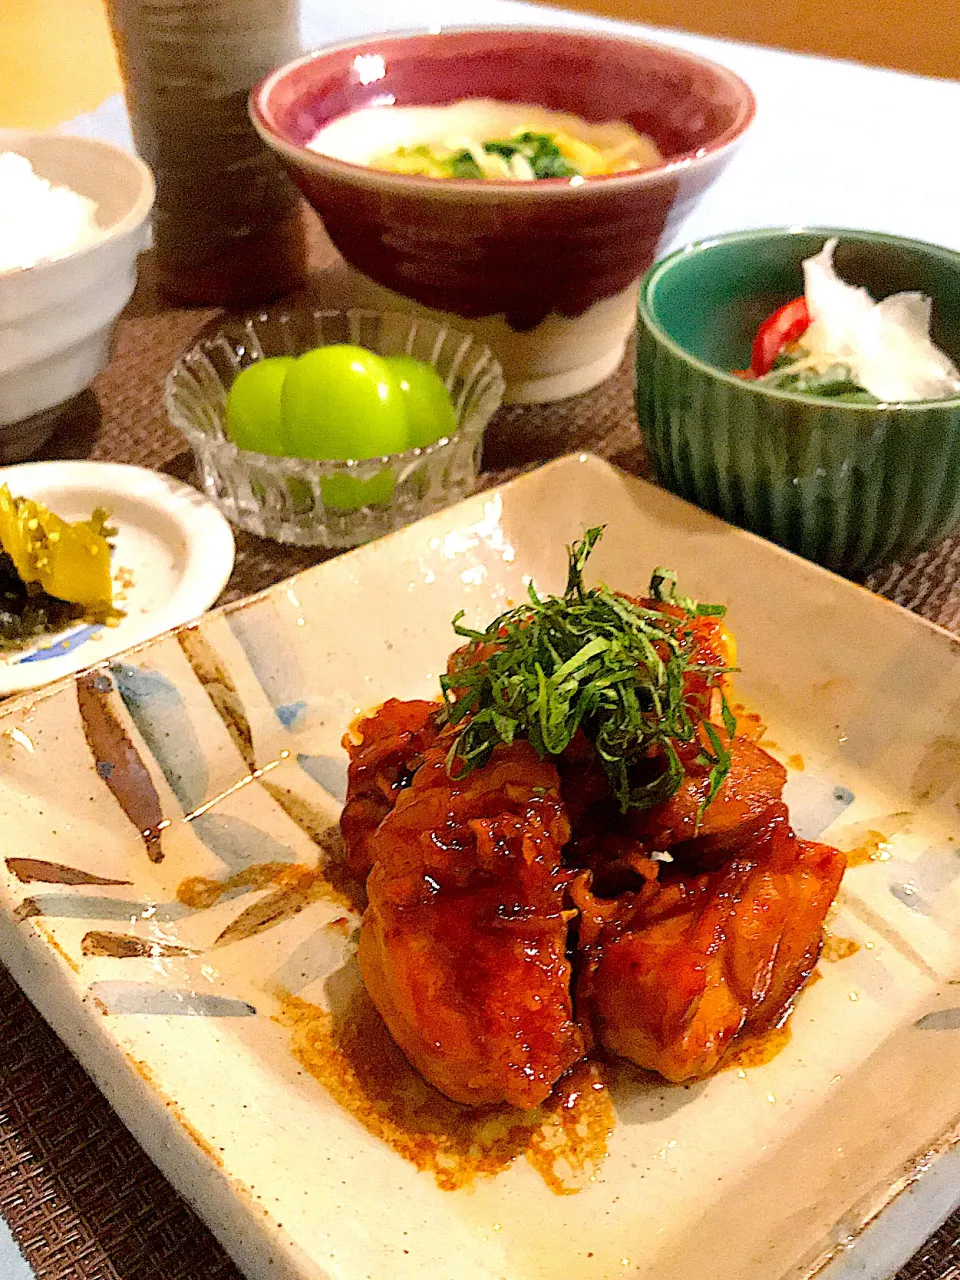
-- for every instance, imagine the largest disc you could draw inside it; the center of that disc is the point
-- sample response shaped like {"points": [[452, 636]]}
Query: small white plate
{"points": [[173, 547]]}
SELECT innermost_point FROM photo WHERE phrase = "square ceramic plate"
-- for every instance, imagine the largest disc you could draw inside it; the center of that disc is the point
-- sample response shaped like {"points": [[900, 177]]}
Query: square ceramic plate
{"points": [[220, 1034]]}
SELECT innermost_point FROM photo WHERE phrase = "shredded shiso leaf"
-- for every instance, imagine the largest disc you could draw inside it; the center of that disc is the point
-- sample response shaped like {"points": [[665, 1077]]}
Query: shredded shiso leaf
{"points": [[594, 660]]}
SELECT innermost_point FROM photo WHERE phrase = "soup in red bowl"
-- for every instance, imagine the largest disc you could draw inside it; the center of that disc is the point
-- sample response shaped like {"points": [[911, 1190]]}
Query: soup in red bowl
{"points": [[545, 269]]}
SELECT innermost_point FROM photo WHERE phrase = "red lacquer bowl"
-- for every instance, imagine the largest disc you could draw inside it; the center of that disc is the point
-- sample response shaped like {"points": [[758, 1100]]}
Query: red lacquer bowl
{"points": [[524, 255]]}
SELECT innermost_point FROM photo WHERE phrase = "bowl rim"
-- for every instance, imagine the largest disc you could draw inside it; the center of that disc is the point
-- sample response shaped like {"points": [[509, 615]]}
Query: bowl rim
{"points": [[653, 276], [135, 216], [495, 187], [200, 347]]}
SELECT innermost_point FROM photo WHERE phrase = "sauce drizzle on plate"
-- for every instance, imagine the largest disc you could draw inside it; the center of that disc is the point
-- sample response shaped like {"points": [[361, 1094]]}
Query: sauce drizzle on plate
{"points": [[355, 1059]]}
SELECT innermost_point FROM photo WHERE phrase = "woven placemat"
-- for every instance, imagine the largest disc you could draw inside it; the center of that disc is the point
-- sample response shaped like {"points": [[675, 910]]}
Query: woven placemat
{"points": [[81, 1198]]}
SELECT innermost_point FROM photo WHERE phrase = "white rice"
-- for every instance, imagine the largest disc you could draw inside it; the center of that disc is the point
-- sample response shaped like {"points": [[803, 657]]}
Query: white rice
{"points": [[40, 221]]}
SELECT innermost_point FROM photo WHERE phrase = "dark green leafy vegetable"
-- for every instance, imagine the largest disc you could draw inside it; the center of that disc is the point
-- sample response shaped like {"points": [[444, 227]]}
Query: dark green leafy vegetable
{"points": [[592, 660], [463, 165], [539, 150], [835, 381]]}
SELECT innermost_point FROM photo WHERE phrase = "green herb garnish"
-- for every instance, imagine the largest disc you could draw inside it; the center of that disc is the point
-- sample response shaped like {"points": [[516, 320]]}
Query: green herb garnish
{"points": [[539, 150], [836, 381], [594, 660], [463, 165]]}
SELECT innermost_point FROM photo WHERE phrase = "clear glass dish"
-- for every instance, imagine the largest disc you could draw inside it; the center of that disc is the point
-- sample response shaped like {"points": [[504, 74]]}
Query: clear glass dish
{"points": [[282, 498]]}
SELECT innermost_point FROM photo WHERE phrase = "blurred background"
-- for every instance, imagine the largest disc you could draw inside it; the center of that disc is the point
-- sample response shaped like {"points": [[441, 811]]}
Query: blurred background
{"points": [[910, 35], [56, 58]]}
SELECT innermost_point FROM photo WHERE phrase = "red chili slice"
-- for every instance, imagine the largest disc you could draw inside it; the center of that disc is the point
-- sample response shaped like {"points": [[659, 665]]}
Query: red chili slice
{"points": [[785, 326]]}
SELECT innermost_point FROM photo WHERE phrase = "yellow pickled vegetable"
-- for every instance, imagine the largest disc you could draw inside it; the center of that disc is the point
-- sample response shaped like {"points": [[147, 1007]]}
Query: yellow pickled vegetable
{"points": [[70, 561], [75, 565], [13, 536]]}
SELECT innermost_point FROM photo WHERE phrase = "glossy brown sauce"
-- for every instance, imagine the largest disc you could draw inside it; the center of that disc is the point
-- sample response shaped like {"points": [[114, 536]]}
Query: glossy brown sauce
{"points": [[757, 1049], [355, 1059], [875, 847], [571, 1144], [291, 886], [837, 948], [749, 724], [201, 892]]}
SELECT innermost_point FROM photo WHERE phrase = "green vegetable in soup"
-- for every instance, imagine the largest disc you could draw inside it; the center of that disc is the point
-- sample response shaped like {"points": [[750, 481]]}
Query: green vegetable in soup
{"points": [[539, 150], [462, 165]]}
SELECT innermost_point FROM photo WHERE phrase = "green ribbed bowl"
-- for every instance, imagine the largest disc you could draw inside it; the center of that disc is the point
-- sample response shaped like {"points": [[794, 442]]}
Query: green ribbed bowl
{"points": [[850, 486]]}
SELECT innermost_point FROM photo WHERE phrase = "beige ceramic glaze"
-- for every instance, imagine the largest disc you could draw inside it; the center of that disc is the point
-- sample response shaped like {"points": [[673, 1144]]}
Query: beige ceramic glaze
{"points": [[222, 743], [558, 357]]}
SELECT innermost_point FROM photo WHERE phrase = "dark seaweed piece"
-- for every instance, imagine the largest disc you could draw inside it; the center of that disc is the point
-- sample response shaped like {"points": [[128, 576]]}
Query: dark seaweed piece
{"points": [[26, 614], [10, 580]]}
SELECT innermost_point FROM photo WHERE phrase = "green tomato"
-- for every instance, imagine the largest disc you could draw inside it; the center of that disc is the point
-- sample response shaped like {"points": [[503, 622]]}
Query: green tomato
{"points": [[430, 412], [347, 493], [253, 405], [341, 402]]}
